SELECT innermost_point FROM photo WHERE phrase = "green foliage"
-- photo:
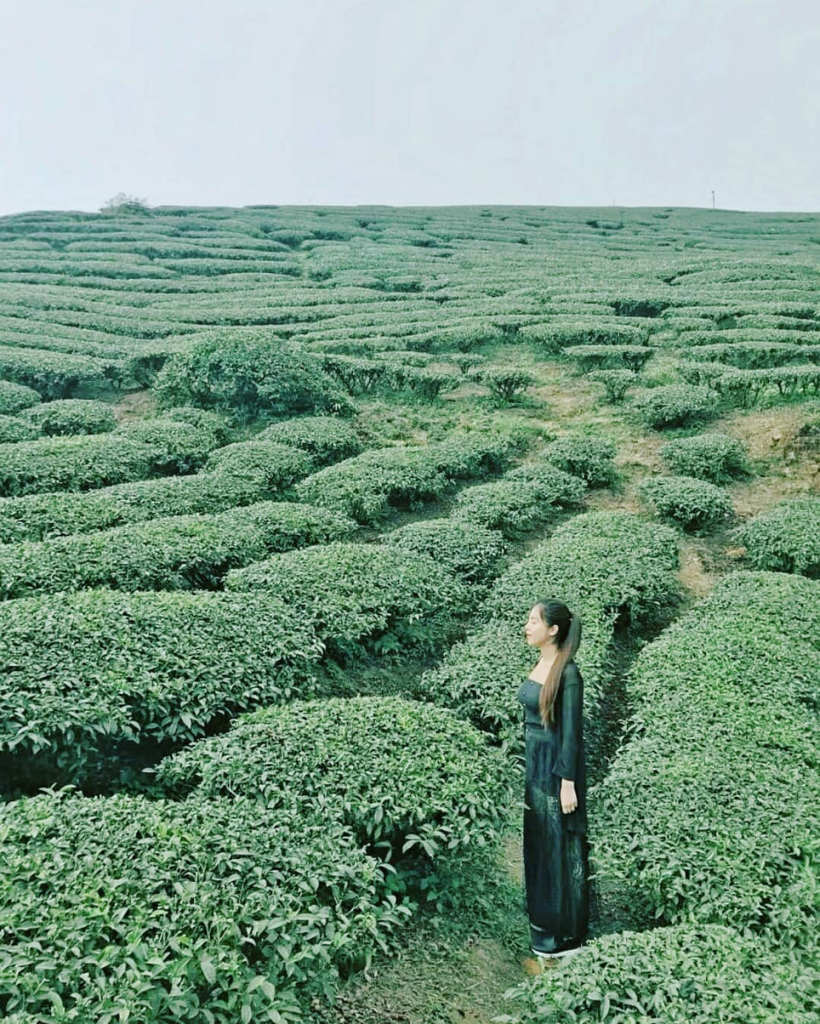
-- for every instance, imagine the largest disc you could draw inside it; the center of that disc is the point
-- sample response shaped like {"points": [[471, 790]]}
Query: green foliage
{"points": [[14, 428], [715, 457], [56, 374], [555, 336], [590, 458], [465, 549], [114, 670], [524, 499], [687, 974], [248, 375], [60, 513], [710, 811], [16, 397], [504, 384], [222, 910], [616, 382], [326, 439], [609, 357], [71, 416], [785, 538], [170, 553], [418, 785], [363, 597], [693, 504], [674, 405], [366, 486], [267, 464]]}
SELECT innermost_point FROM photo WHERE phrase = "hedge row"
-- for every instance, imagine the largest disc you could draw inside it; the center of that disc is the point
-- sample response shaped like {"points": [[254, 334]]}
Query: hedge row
{"points": [[744, 388], [710, 812], [755, 355], [171, 553], [605, 565], [557, 336], [56, 374], [91, 676], [363, 597], [39, 516], [609, 357], [15, 397], [84, 462], [366, 486], [785, 538], [406, 777], [124, 908]]}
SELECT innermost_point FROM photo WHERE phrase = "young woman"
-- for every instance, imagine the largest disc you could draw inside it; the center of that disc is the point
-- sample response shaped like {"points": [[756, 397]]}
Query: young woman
{"points": [[556, 852]]}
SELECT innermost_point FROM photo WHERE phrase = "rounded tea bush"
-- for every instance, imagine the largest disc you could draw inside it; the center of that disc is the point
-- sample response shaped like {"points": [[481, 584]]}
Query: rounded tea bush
{"points": [[785, 538], [466, 549], [675, 405], [694, 505], [590, 458], [270, 464], [717, 458], [326, 439], [14, 428], [16, 397], [71, 416]]}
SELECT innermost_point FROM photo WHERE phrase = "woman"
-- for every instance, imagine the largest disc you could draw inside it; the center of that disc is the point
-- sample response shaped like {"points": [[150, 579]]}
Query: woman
{"points": [[556, 852]]}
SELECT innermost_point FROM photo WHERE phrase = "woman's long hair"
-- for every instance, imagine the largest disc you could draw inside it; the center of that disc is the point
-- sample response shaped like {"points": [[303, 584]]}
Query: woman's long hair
{"points": [[567, 639]]}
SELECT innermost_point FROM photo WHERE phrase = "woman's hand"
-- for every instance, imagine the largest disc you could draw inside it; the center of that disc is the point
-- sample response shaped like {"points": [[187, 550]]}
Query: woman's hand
{"points": [[569, 801]]}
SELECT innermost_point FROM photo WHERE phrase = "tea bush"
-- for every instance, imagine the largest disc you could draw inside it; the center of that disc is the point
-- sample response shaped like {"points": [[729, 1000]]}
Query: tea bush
{"points": [[170, 553], [366, 486], [504, 384], [419, 786], [16, 397], [685, 974], [674, 405], [361, 597], [710, 811], [248, 375], [590, 458], [616, 382], [557, 336], [326, 439], [523, 500], [113, 671], [609, 357], [218, 909], [267, 464], [472, 552], [62, 513], [56, 374], [784, 538], [694, 505], [13, 429], [71, 416], [717, 458]]}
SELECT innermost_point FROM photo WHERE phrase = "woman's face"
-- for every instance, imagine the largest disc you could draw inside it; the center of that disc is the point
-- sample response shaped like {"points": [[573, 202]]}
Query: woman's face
{"points": [[536, 631]]}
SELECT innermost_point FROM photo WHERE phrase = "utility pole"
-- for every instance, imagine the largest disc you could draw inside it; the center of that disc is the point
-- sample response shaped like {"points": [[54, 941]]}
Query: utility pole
{"points": [[713, 199]]}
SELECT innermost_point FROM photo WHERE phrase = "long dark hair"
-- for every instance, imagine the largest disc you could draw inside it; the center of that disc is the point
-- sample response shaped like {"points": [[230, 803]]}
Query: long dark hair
{"points": [[567, 639]]}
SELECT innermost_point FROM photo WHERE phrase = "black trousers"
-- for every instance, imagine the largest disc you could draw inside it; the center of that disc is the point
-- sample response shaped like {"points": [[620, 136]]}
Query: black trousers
{"points": [[556, 860]]}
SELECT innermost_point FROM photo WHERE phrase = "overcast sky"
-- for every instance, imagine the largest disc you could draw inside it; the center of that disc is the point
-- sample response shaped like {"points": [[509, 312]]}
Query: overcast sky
{"points": [[410, 102]]}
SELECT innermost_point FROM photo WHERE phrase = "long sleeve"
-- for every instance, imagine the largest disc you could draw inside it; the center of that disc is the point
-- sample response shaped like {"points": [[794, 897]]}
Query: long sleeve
{"points": [[572, 704]]}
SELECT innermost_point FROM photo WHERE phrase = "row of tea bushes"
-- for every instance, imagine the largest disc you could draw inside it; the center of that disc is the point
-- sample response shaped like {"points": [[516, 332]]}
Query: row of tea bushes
{"points": [[609, 357], [56, 374], [694, 505], [92, 677], [363, 597], [124, 908], [744, 388], [711, 810], [421, 788], [171, 553], [71, 416], [557, 334], [62, 513], [785, 538], [674, 405], [368, 485], [604, 565], [683, 974], [755, 355], [83, 462]]}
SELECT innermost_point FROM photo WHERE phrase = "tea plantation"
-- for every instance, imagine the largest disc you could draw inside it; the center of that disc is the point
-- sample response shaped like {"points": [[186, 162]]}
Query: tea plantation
{"points": [[278, 488]]}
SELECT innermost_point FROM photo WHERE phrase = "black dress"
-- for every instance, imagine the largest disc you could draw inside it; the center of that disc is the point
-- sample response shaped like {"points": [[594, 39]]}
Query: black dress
{"points": [[556, 849]]}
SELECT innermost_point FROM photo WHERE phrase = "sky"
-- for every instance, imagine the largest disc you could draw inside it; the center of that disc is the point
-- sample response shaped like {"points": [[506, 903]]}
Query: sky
{"points": [[410, 103]]}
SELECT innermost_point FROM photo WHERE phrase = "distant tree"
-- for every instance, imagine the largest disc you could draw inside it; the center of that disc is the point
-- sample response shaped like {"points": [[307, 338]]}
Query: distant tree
{"points": [[122, 203]]}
